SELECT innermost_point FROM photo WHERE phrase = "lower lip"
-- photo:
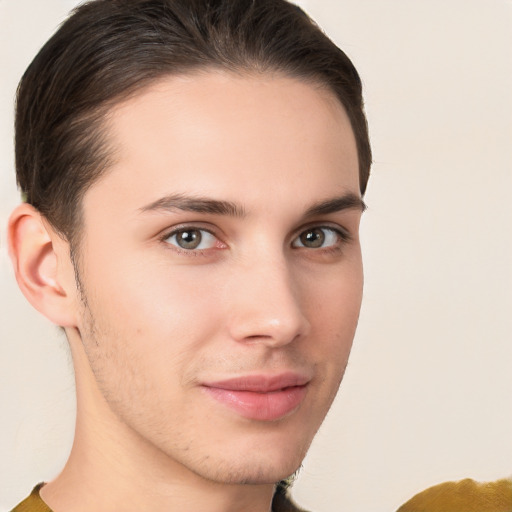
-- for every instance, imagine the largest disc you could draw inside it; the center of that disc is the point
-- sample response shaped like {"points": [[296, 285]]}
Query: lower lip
{"points": [[270, 406]]}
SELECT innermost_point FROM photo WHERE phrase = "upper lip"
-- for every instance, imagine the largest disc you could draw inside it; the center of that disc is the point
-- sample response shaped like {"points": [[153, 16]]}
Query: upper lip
{"points": [[260, 383]]}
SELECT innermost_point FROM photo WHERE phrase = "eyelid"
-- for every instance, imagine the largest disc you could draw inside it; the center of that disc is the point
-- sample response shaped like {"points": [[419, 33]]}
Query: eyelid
{"points": [[200, 226], [343, 232]]}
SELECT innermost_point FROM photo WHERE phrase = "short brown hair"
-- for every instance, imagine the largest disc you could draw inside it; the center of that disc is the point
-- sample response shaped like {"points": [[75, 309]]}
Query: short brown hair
{"points": [[108, 49]]}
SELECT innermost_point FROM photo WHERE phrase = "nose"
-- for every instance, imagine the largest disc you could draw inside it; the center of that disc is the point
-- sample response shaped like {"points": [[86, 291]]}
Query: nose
{"points": [[266, 304]]}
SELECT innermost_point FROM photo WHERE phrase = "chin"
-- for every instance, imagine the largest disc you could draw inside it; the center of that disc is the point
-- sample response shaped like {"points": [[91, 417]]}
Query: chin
{"points": [[259, 465], [264, 474]]}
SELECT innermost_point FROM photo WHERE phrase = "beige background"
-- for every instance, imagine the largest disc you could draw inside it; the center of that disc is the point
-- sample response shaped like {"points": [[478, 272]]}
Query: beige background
{"points": [[427, 396]]}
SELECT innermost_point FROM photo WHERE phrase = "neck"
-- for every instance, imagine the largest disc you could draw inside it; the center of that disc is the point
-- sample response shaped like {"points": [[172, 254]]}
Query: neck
{"points": [[112, 468]]}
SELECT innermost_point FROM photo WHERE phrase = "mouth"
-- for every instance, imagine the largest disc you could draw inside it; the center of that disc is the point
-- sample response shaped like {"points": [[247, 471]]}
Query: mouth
{"points": [[260, 397]]}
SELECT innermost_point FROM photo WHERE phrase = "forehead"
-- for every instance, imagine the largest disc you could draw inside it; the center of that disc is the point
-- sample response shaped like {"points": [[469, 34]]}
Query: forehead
{"points": [[224, 134]]}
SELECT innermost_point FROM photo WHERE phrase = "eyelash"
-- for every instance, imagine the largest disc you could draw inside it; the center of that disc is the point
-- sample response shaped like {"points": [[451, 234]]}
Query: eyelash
{"points": [[342, 235], [189, 252]]}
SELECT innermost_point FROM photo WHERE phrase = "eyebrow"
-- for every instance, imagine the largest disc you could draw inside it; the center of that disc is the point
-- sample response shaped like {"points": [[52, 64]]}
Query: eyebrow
{"points": [[349, 201], [195, 204]]}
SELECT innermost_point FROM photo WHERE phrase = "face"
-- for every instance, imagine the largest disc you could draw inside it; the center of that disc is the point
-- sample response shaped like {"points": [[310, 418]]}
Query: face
{"points": [[221, 271]]}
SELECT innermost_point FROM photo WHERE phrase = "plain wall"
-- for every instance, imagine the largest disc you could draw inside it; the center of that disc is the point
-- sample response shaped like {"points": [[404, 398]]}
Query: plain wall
{"points": [[427, 394]]}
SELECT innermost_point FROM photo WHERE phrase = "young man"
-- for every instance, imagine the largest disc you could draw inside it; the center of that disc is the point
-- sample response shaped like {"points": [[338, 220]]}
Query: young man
{"points": [[193, 174]]}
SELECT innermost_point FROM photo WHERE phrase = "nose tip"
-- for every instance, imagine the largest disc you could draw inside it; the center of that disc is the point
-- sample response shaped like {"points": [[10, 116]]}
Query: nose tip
{"points": [[268, 311], [273, 332]]}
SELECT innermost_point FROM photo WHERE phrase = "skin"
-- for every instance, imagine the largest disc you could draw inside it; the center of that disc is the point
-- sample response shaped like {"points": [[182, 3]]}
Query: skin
{"points": [[155, 321]]}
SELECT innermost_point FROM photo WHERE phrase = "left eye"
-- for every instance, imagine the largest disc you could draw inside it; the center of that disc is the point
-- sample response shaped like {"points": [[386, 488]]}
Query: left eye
{"points": [[317, 238], [192, 239]]}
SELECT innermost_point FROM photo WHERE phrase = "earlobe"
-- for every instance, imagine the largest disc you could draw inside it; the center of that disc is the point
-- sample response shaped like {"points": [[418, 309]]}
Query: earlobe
{"points": [[35, 258]]}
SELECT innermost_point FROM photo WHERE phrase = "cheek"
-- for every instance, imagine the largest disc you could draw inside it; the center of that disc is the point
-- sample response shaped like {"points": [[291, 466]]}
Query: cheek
{"points": [[151, 296], [334, 309], [153, 321], [335, 299]]}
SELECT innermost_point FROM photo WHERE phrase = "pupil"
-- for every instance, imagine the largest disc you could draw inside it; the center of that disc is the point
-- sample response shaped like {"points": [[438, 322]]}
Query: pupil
{"points": [[313, 238], [189, 239]]}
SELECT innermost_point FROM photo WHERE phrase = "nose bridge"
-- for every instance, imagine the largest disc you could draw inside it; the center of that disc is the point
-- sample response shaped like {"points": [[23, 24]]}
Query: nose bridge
{"points": [[267, 305]]}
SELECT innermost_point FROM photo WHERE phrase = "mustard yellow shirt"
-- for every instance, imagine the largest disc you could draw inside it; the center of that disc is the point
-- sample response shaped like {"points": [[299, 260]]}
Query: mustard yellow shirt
{"points": [[34, 503], [463, 496], [466, 495]]}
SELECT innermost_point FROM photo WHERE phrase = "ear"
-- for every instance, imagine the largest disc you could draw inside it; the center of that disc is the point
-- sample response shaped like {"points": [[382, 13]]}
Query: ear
{"points": [[42, 265]]}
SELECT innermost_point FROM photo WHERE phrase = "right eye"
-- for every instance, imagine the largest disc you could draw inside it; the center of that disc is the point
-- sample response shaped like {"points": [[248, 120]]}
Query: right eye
{"points": [[191, 239]]}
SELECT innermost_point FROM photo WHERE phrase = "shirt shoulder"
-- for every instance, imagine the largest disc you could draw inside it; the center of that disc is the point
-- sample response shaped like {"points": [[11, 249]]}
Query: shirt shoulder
{"points": [[466, 495], [33, 503]]}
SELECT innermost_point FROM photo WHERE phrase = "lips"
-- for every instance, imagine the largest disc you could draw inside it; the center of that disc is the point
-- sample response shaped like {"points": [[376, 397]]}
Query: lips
{"points": [[260, 397]]}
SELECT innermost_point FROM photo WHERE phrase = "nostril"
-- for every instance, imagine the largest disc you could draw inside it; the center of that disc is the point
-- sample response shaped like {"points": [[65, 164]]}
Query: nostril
{"points": [[258, 338], [276, 339]]}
